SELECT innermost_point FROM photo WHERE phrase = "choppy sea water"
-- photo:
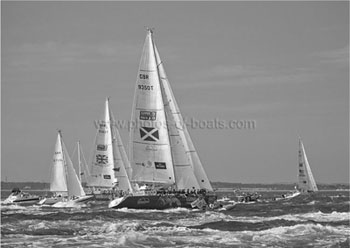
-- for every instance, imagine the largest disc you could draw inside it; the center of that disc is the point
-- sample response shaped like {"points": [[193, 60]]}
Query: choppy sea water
{"points": [[317, 220]]}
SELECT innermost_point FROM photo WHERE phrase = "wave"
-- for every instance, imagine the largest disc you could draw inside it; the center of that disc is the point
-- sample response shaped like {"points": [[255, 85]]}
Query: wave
{"points": [[68, 204], [165, 233], [171, 210]]}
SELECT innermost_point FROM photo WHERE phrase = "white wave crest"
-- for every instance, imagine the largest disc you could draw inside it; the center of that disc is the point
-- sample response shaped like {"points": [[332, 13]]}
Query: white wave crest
{"points": [[170, 210], [68, 204]]}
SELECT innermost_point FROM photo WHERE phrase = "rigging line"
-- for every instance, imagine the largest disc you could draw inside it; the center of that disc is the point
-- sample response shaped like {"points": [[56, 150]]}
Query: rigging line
{"points": [[85, 163]]}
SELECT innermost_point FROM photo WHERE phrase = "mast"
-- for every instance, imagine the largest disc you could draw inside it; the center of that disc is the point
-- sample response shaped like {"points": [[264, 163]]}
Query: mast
{"points": [[79, 161]]}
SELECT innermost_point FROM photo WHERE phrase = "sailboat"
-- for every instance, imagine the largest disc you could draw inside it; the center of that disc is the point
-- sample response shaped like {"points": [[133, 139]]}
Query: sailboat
{"points": [[162, 154], [306, 181], [64, 183], [110, 168]]}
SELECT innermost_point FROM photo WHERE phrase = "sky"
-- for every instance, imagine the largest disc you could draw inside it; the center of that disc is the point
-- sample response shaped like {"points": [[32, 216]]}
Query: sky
{"points": [[282, 65]]}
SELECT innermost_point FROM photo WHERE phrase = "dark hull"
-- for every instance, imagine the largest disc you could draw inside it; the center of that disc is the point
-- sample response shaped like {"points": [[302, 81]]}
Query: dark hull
{"points": [[159, 202], [28, 201]]}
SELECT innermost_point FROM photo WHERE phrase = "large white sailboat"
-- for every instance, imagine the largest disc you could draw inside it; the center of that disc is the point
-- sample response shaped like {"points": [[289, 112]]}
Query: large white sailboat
{"points": [[306, 181], [162, 153], [110, 168], [64, 183]]}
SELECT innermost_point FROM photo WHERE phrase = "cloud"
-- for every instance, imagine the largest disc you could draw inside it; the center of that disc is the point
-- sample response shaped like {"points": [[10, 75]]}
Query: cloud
{"points": [[335, 56], [239, 75], [57, 56]]}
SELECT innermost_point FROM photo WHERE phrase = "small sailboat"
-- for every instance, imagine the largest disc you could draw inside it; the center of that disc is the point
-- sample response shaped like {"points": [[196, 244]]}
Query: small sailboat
{"points": [[306, 181], [22, 198], [110, 168], [64, 184], [288, 195], [162, 155]]}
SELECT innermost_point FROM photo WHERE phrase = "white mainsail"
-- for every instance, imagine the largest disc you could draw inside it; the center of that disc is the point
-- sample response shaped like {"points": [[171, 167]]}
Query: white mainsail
{"points": [[150, 154], [58, 182], [306, 181], [64, 179], [186, 165], [102, 164], [109, 162]]}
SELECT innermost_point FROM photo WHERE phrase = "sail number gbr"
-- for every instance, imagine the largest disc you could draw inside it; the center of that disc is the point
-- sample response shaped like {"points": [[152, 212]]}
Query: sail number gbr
{"points": [[145, 87]]}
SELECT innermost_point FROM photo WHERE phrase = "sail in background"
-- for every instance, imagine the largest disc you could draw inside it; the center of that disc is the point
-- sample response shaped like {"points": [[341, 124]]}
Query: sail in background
{"points": [[64, 179], [306, 181], [122, 168], [102, 164], [73, 183], [110, 165], [58, 182]]}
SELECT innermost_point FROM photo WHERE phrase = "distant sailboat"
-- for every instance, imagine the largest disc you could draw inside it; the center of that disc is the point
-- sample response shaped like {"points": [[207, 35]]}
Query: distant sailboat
{"points": [[306, 181], [161, 151], [110, 166], [64, 183]]}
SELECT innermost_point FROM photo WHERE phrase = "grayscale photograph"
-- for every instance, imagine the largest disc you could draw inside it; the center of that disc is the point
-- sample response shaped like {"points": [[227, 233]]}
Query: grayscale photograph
{"points": [[175, 124]]}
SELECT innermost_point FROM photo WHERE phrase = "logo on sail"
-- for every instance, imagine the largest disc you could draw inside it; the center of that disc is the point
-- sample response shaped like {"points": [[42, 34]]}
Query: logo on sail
{"points": [[101, 159], [160, 165], [107, 176], [148, 115], [101, 147], [143, 76], [149, 134]]}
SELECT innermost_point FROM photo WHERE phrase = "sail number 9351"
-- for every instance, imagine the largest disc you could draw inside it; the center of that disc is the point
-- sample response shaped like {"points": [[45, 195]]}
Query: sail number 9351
{"points": [[145, 87]]}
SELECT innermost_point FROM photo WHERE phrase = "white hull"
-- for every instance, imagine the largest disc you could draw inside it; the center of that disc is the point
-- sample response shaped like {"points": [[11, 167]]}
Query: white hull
{"points": [[57, 200], [288, 196], [21, 198]]}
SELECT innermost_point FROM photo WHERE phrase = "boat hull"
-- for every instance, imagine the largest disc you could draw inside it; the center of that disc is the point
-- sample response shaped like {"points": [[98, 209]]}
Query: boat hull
{"points": [[288, 196], [49, 201], [54, 200], [25, 199], [159, 202], [102, 197], [29, 201]]}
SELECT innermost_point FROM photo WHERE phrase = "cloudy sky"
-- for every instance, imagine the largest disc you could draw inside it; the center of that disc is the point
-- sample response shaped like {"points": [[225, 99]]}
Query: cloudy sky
{"points": [[283, 65]]}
